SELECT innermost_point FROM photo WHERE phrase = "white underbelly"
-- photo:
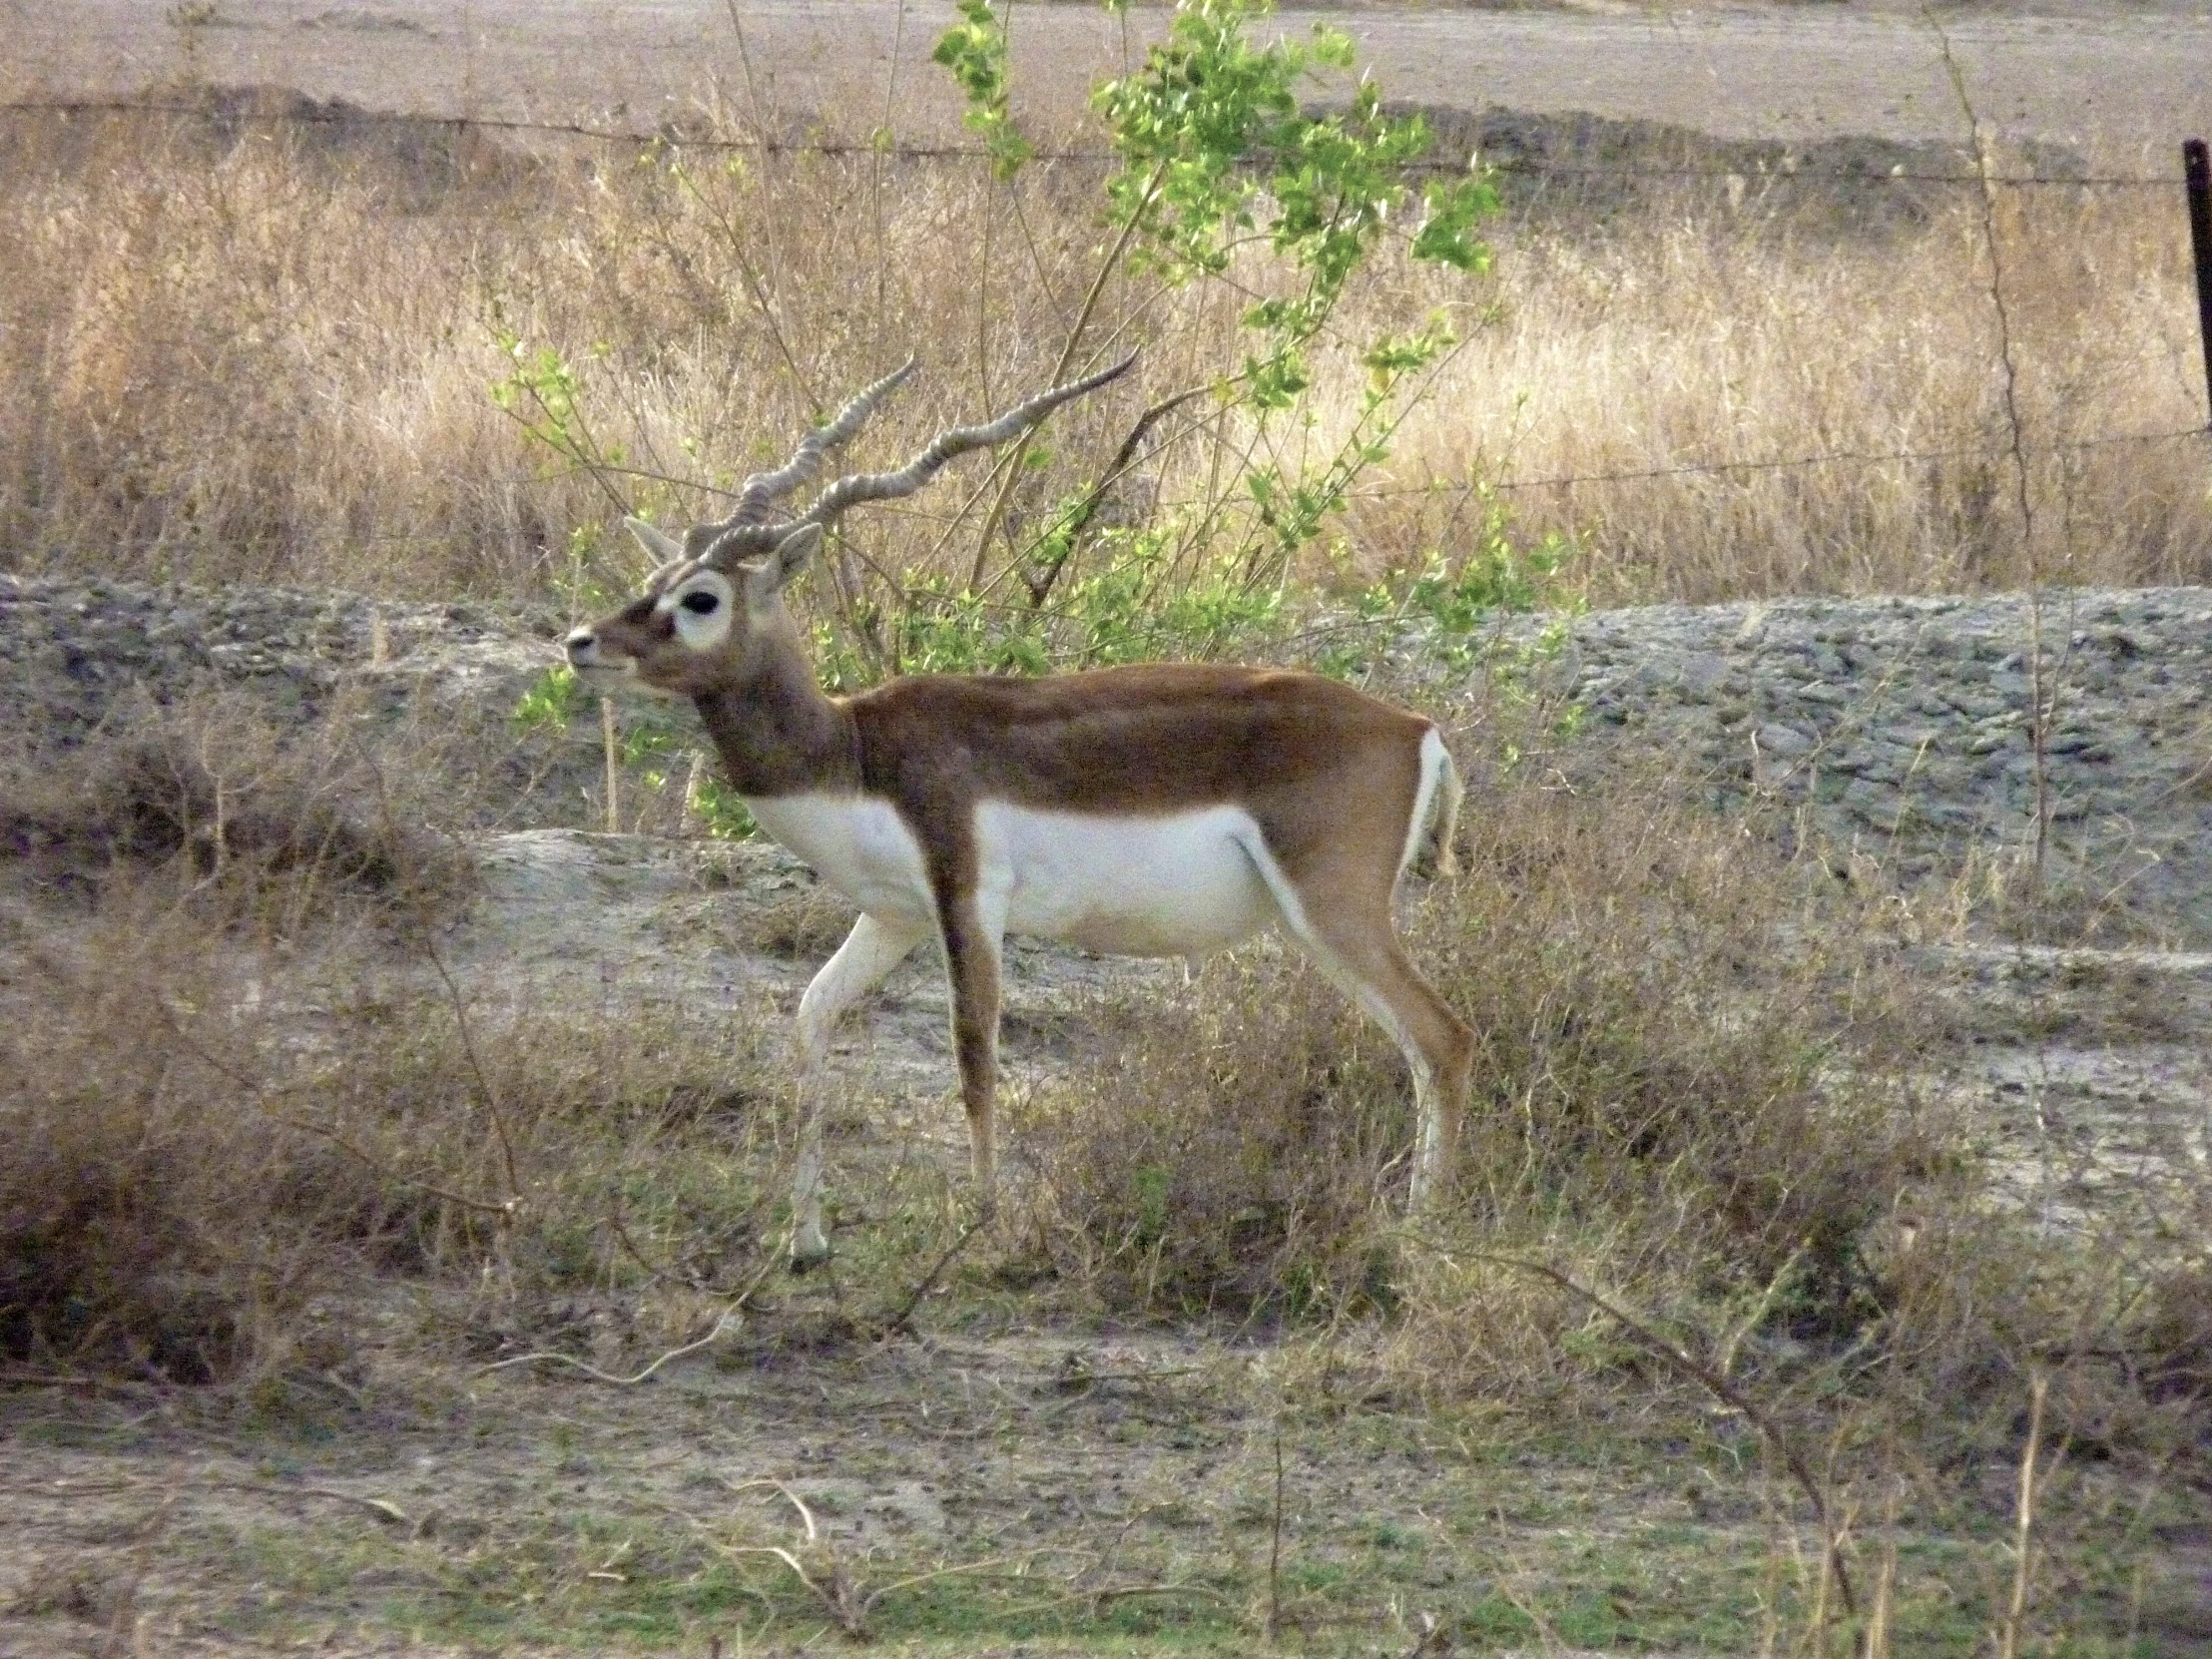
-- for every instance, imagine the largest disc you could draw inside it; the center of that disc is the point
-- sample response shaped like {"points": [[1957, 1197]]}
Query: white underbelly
{"points": [[859, 845], [1180, 884]]}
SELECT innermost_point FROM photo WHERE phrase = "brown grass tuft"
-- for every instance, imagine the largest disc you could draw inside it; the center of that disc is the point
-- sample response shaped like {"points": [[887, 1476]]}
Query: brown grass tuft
{"points": [[240, 1078], [210, 1144], [286, 826], [1690, 1095]]}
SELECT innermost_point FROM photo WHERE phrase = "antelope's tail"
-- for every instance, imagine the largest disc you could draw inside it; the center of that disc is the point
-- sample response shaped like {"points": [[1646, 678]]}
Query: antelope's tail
{"points": [[1435, 811]]}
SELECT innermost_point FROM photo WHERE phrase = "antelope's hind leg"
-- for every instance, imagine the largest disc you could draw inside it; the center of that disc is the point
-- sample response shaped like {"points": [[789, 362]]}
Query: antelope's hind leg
{"points": [[1437, 1045], [1342, 918], [873, 947]]}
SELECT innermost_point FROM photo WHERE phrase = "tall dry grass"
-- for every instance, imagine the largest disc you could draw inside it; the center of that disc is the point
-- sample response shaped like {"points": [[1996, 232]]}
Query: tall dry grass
{"points": [[241, 349], [242, 1086], [1715, 336]]}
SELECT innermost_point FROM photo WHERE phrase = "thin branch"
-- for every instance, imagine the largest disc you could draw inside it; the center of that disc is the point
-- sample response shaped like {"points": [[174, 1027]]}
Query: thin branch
{"points": [[726, 1321], [502, 1209], [483, 1080], [1125, 458], [2039, 688], [1106, 269], [2023, 1524], [1721, 1388], [928, 1282], [1274, 1547]]}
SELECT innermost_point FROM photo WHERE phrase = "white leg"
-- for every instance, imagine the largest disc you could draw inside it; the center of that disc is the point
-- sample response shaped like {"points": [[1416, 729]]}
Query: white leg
{"points": [[871, 951]]}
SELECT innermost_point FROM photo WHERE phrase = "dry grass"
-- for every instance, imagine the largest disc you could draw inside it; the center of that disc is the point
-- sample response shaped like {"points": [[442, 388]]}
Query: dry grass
{"points": [[239, 1078], [247, 349], [1701, 1094], [201, 1192], [1680, 1075], [1702, 336], [273, 827]]}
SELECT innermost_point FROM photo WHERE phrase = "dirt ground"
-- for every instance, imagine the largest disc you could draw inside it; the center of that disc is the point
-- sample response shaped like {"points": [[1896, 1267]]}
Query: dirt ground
{"points": [[2122, 80], [1094, 1486]]}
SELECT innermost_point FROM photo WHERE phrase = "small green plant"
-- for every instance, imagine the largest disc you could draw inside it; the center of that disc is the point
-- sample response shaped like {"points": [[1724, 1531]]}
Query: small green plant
{"points": [[543, 395], [975, 51], [1451, 598], [554, 699], [1216, 161], [724, 812]]}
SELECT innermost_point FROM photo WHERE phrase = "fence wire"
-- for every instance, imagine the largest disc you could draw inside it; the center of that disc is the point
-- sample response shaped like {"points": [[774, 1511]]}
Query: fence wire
{"points": [[675, 137], [1833, 458], [308, 112]]}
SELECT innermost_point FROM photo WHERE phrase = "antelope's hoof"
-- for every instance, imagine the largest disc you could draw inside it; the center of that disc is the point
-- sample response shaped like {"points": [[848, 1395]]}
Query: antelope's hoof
{"points": [[809, 1252]]}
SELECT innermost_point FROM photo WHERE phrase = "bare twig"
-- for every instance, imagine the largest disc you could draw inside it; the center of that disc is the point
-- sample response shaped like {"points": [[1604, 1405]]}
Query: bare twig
{"points": [[1106, 269], [685, 1280], [2024, 1522], [613, 751], [1125, 458], [2039, 688], [503, 1208], [844, 1599], [390, 1513], [929, 1280], [483, 1078], [1721, 1389], [726, 1321], [1274, 1547], [383, 1508]]}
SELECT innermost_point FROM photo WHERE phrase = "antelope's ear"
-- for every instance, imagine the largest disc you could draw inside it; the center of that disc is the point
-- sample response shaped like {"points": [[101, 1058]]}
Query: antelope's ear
{"points": [[792, 554], [664, 547]]}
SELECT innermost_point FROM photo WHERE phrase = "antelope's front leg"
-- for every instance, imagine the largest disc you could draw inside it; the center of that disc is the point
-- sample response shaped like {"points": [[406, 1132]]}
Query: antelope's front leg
{"points": [[873, 947], [973, 929]]}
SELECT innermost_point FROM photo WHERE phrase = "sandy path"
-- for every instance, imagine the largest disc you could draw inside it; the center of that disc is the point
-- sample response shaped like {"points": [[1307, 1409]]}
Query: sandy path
{"points": [[2114, 79]]}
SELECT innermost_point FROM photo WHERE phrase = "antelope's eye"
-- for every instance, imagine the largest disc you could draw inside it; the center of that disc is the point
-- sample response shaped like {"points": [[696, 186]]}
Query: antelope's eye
{"points": [[701, 604]]}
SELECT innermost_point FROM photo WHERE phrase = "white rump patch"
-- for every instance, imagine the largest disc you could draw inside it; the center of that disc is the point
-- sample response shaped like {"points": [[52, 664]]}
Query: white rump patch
{"points": [[1434, 756]]}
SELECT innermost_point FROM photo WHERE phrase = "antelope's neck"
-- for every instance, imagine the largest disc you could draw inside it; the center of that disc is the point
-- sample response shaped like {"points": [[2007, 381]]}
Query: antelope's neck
{"points": [[779, 735]]}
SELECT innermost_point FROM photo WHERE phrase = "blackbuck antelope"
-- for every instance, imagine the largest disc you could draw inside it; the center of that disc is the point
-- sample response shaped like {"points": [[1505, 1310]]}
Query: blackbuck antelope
{"points": [[1164, 810]]}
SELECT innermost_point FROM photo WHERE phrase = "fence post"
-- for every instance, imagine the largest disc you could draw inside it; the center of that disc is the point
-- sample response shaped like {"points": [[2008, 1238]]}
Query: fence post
{"points": [[2197, 168]]}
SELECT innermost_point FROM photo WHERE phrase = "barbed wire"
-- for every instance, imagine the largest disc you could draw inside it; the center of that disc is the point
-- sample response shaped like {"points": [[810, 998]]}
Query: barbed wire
{"points": [[1831, 457], [676, 138], [311, 114]]}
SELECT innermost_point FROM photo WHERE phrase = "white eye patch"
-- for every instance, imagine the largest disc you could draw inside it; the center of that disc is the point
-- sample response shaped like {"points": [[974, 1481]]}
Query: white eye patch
{"points": [[703, 606]]}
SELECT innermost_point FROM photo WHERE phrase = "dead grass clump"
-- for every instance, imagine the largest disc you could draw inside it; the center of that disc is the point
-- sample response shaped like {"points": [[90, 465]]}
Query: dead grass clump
{"points": [[1685, 1084], [1231, 1152], [241, 1075], [207, 1138], [286, 828], [141, 1223]]}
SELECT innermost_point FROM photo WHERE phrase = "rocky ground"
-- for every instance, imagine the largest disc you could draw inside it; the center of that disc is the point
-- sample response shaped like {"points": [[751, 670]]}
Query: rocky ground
{"points": [[1905, 728]]}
